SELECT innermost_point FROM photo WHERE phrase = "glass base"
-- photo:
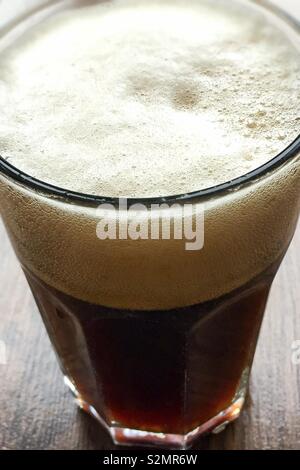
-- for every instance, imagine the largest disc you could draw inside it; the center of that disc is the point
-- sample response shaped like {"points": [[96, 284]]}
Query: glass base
{"points": [[135, 437]]}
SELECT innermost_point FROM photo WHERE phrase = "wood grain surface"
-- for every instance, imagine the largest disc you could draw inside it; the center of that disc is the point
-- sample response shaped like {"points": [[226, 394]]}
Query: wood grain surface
{"points": [[38, 412]]}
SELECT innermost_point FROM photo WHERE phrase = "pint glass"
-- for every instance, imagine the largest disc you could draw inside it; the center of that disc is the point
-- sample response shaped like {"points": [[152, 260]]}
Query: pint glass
{"points": [[155, 341]]}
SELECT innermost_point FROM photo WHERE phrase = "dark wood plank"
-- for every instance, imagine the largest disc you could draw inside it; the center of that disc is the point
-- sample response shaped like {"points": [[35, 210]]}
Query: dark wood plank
{"points": [[37, 411]]}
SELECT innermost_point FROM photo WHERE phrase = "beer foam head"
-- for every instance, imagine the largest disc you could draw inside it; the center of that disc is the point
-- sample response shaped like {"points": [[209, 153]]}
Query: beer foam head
{"points": [[148, 98]]}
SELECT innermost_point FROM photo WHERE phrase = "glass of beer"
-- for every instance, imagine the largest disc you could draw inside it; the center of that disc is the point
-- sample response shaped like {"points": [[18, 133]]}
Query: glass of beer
{"points": [[119, 115]]}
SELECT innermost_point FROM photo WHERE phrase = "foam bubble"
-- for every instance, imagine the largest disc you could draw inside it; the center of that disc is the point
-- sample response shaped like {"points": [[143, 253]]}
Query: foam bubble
{"points": [[148, 98]]}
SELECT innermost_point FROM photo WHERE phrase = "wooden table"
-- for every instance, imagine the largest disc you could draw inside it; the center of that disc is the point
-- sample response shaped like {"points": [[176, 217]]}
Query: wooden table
{"points": [[37, 411]]}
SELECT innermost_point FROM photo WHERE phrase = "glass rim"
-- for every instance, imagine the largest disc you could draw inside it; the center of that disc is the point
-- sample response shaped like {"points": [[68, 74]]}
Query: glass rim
{"points": [[48, 189]]}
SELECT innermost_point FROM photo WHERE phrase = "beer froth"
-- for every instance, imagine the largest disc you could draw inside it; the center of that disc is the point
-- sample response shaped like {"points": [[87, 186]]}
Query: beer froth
{"points": [[148, 98], [141, 98]]}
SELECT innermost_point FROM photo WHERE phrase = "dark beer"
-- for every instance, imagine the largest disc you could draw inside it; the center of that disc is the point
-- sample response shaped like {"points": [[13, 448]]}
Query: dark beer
{"points": [[159, 371], [174, 103]]}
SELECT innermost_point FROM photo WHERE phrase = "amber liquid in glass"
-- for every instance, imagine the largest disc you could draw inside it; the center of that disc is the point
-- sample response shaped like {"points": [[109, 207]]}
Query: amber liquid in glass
{"points": [[160, 371]]}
